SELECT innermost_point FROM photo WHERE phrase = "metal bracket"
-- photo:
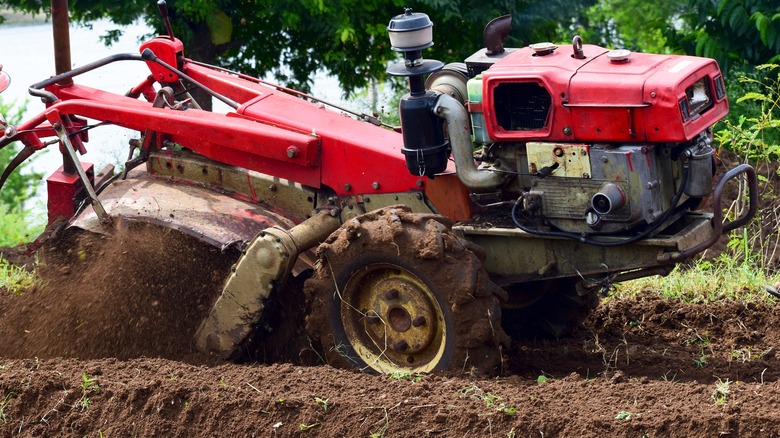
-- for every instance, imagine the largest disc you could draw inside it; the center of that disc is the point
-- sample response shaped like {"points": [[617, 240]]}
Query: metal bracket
{"points": [[96, 205]]}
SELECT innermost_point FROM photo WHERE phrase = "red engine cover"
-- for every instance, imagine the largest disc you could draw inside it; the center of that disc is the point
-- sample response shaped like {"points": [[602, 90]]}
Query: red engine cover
{"points": [[557, 97]]}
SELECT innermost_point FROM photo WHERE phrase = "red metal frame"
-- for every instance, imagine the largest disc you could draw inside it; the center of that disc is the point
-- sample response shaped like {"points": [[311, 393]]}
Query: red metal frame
{"points": [[271, 132]]}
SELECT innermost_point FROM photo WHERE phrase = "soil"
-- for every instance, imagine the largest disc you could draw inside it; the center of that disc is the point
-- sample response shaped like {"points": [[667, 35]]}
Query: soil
{"points": [[100, 350]]}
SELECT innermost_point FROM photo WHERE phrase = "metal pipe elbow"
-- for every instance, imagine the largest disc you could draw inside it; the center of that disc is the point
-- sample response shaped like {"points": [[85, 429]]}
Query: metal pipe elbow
{"points": [[457, 118]]}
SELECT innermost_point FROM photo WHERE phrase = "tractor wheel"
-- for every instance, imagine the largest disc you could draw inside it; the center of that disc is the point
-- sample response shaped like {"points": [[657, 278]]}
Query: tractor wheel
{"points": [[559, 311], [398, 292]]}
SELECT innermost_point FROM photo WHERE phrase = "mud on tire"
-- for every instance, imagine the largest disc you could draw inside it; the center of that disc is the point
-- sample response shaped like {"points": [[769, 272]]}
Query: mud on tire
{"points": [[397, 291]]}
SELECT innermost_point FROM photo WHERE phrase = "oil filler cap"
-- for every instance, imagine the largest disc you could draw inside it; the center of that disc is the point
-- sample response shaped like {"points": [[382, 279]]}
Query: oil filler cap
{"points": [[542, 49], [619, 56]]}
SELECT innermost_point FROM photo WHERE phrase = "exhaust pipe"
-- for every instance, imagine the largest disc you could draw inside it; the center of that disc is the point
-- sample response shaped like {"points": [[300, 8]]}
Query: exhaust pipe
{"points": [[495, 34], [609, 198], [456, 116]]}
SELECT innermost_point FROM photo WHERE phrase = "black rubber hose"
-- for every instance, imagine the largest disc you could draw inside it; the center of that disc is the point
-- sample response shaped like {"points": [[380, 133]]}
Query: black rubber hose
{"points": [[595, 242]]}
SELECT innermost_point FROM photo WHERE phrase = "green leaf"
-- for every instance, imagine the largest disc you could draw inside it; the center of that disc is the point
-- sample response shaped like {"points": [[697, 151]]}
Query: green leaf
{"points": [[220, 27], [758, 97], [762, 24], [347, 34]]}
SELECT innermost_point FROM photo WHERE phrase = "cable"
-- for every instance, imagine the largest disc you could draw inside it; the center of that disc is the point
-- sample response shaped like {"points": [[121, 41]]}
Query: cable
{"points": [[590, 241]]}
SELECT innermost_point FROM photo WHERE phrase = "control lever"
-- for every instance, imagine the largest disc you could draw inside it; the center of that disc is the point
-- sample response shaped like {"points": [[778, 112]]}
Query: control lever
{"points": [[163, 7]]}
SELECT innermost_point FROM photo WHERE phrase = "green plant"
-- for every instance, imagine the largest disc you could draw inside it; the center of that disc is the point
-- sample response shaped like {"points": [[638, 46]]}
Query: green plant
{"points": [[672, 379], [541, 379], [4, 404], [305, 427], [322, 402], [701, 361], [88, 386], [623, 415], [15, 279], [407, 375], [492, 401], [721, 391]]}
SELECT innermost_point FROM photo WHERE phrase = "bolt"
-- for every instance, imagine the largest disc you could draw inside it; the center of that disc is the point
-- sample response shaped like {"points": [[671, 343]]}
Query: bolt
{"points": [[272, 187], [584, 152], [604, 159], [366, 199], [417, 322], [585, 175], [652, 94], [419, 183], [400, 345], [292, 151], [391, 294], [347, 187], [418, 195], [567, 131], [375, 185], [56, 125]]}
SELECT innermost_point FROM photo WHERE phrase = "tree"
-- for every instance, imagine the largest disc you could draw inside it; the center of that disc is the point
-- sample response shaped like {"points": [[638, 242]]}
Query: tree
{"points": [[345, 38], [614, 23], [732, 31], [20, 185]]}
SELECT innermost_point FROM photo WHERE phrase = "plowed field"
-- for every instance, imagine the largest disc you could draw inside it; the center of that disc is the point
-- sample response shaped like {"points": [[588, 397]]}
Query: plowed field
{"points": [[80, 358]]}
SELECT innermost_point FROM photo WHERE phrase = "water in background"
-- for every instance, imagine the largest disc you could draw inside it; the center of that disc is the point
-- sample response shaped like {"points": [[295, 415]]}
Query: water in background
{"points": [[27, 55]]}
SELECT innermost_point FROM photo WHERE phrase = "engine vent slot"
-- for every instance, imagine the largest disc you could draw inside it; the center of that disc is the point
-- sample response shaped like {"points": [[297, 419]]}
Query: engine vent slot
{"points": [[522, 106]]}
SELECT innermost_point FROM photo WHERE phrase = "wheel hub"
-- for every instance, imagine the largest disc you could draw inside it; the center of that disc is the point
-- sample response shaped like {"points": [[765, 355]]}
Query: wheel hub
{"points": [[392, 319]]}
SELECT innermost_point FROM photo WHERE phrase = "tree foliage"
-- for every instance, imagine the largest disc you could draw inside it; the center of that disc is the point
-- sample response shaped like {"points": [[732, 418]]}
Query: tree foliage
{"points": [[21, 184], [733, 31], [346, 38], [616, 24]]}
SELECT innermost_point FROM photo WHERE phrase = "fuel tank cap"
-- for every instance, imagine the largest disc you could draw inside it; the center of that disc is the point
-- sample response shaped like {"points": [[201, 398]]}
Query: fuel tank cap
{"points": [[619, 56], [542, 49]]}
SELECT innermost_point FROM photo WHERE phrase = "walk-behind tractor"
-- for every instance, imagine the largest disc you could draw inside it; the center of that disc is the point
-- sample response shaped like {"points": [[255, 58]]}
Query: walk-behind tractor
{"points": [[523, 178]]}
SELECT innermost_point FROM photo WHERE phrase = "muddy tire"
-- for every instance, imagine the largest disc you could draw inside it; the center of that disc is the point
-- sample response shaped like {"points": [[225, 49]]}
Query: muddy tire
{"points": [[397, 291]]}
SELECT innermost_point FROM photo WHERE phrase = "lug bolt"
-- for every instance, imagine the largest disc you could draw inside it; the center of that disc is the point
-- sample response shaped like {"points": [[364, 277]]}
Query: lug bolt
{"points": [[417, 322], [400, 345], [392, 294]]}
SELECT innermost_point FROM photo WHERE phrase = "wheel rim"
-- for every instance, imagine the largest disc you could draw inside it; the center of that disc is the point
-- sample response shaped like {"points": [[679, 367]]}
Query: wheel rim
{"points": [[393, 320]]}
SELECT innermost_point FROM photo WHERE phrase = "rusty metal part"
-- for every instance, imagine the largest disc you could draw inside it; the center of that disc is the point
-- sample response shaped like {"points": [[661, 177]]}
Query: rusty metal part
{"points": [[403, 325], [516, 256], [209, 216], [263, 266], [61, 35], [97, 206], [294, 199], [718, 227], [355, 206]]}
